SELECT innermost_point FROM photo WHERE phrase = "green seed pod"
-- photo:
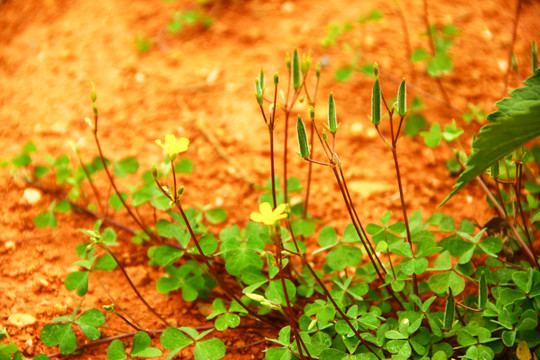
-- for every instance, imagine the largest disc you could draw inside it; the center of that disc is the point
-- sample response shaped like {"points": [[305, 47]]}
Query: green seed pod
{"points": [[376, 103], [514, 62], [262, 83], [376, 70], [93, 93], [258, 92], [276, 79], [296, 70], [402, 99], [332, 121], [534, 51], [302, 138], [312, 113], [318, 70]]}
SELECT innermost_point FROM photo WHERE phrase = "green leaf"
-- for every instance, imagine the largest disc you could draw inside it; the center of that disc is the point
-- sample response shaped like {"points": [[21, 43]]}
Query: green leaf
{"points": [[59, 334], [174, 340], [141, 346], [327, 237], [416, 266], [342, 256], [482, 292], [449, 312], [216, 216], [395, 335], [126, 166], [46, 219], [508, 338], [512, 126], [92, 317], [440, 64], [116, 351], [433, 137], [491, 245], [443, 262], [166, 255], [419, 55], [184, 166], [106, 262], [21, 160], [211, 349], [414, 124], [226, 321], [344, 73], [115, 202], [274, 292], [77, 280]]}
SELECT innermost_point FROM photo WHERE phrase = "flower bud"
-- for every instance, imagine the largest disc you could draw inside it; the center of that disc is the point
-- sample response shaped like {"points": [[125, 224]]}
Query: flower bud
{"points": [[312, 113], [276, 79], [93, 94]]}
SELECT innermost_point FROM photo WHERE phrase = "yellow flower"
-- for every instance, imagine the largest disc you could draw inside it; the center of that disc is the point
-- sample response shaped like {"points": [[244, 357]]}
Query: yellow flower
{"points": [[268, 216], [172, 146]]}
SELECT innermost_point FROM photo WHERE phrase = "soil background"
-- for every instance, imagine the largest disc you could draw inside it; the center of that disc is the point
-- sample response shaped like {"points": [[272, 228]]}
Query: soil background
{"points": [[200, 84]]}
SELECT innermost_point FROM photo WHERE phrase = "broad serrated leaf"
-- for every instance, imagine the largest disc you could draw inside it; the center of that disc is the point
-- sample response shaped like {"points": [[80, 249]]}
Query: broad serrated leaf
{"points": [[512, 126]]}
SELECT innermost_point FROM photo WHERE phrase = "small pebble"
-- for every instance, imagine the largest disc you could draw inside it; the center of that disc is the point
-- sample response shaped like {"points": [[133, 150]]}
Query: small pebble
{"points": [[21, 320], [31, 195], [10, 245]]}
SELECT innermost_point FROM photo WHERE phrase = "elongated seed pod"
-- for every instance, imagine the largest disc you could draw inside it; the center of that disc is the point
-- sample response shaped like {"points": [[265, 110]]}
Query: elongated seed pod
{"points": [[302, 138], [376, 103], [332, 121], [296, 70], [258, 92], [402, 99]]}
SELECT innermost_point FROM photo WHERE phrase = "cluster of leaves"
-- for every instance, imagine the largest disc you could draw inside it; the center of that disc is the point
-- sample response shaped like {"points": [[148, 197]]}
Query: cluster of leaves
{"points": [[472, 299], [440, 62], [343, 34]]}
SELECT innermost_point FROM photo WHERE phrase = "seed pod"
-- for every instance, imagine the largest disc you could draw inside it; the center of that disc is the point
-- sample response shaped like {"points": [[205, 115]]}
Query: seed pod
{"points": [[318, 70], [276, 79], [302, 138], [93, 93], [258, 92], [332, 121], [515, 64], [296, 70], [262, 83], [376, 103], [288, 61], [402, 99]]}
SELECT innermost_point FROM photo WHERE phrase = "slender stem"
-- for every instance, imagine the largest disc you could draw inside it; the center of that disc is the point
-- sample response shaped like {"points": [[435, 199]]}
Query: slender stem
{"points": [[216, 276], [113, 184], [89, 178], [327, 293], [310, 172], [138, 326], [133, 287], [285, 155], [272, 168], [407, 38], [511, 49], [432, 47], [517, 189]]}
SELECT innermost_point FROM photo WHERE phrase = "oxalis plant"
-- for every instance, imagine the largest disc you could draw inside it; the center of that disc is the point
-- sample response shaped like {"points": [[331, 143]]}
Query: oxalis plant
{"points": [[408, 286]]}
